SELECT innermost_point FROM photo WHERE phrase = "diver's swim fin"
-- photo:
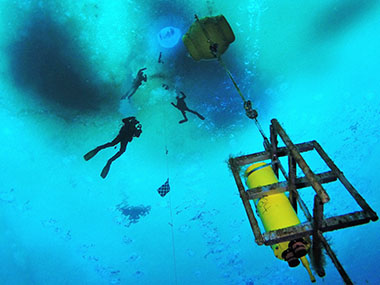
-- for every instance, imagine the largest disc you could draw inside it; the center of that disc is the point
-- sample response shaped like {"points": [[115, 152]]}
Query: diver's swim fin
{"points": [[105, 170], [201, 117], [91, 154]]}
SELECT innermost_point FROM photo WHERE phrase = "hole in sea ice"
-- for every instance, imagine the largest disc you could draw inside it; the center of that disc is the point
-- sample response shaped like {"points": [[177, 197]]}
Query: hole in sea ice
{"points": [[168, 37]]}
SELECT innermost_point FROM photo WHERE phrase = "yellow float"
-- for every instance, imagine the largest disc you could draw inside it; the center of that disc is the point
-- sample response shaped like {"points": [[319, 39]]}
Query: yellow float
{"points": [[205, 32], [276, 212]]}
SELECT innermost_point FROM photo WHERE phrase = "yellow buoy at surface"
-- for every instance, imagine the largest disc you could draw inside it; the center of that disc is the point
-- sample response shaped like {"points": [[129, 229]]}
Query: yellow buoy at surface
{"points": [[204, 31]]}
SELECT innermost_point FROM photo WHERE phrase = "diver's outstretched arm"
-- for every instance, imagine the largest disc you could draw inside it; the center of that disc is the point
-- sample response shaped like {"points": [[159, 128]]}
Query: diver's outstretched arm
{"points": [[140, 73], [174, 105], [183, 95]]}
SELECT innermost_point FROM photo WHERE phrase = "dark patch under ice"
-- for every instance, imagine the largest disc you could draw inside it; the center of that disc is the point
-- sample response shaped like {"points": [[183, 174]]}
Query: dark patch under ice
{"points": [[340, 15], [48, 59], [132, 214]]}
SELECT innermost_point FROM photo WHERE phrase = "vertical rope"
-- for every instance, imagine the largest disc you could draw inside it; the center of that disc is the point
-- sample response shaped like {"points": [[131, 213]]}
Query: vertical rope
{"points": [[173, 243], [170, 205]]}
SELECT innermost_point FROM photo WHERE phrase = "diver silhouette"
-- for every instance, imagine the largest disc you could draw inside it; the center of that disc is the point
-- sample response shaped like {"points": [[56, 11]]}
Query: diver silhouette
{"points": [[160, 58], [181, 105], [130, 129], [140, 77]]}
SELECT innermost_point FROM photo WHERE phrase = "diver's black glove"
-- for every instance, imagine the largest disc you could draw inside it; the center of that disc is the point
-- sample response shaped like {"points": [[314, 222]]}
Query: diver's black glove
{"points": [[138, 131], [128, 119]]}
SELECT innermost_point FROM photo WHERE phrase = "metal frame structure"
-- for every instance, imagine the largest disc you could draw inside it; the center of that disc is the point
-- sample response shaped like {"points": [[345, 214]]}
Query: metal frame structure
{"points": [[316, 224]]}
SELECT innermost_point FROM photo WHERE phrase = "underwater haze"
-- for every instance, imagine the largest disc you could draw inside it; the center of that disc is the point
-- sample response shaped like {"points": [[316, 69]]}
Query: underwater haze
{"points": [[312, 65]]}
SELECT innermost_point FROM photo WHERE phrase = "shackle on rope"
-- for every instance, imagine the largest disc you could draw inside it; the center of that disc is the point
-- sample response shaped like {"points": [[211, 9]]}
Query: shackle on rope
{"points": [[251, 113]]}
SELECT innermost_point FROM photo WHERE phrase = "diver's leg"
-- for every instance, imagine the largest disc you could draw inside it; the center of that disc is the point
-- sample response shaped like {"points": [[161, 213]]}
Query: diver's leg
{"points": [[196, 113], [106, 169], [93, 152], [123, 147], [125, 95], [114, 142], [133, 91], [184, 115], [129, 93]]}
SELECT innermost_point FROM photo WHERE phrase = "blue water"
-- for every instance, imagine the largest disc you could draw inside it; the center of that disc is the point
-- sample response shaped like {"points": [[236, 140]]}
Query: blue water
{"points": [[65, 65]]}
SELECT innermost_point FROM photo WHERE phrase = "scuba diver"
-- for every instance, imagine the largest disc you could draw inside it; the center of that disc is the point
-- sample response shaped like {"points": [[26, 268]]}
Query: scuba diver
{"points": [[160, 58], [140, 77], [181, 105], [130, 129]]}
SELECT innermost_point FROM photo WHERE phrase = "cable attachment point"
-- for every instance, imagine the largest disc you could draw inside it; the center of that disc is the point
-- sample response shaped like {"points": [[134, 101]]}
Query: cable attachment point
{"points": [[214, 48], [267, 145], [251, 113]]}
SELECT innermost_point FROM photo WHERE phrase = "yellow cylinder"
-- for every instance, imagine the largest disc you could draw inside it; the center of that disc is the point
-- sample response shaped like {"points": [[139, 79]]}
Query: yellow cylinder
{"points": [[275, 211]]}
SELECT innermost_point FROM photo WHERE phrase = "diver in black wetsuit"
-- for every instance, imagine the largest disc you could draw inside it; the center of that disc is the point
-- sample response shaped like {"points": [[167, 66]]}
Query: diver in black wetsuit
{"points": [[140, 77], [130, 129], [181, 105]]}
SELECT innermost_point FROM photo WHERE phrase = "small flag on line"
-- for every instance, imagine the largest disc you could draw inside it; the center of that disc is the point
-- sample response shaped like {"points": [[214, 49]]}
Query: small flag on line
{"points": [[164, 189]]}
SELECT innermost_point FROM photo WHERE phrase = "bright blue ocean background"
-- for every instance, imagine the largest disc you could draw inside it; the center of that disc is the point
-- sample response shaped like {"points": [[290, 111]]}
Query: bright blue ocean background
{"points": [[313, 65]]}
